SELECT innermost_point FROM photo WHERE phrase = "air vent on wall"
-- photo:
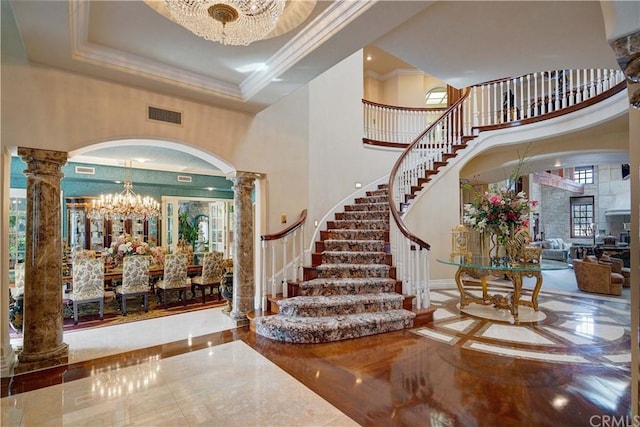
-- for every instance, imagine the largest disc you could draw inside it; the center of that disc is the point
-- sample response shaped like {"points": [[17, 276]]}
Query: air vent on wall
{"points": [[167, 116], [184, 178], [85, 170]]}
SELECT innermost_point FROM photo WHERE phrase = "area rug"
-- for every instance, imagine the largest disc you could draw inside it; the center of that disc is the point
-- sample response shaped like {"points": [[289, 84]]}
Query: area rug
{"points": [[88, 316]]}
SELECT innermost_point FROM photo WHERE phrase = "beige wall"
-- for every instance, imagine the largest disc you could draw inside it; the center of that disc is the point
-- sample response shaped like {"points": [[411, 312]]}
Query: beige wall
{"points": [[405, 88], [337, 157]]}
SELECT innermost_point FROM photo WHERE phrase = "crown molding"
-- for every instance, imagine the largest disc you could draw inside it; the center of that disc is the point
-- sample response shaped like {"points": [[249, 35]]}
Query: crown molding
{"points": [[330, 21], [333, 19], [85, 51]]}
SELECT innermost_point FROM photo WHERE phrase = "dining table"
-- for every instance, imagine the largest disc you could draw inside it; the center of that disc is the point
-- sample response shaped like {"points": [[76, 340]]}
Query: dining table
{"points": [[115, 274]]}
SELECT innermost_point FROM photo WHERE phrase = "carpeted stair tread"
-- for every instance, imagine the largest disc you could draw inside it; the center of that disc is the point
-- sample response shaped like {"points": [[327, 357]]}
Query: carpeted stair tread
{"points": [[367, 207], [354, 245], [332, 328], [363, 215], [331, 305], [353, 257], [347, 285], [358, 224], [353, 270]]}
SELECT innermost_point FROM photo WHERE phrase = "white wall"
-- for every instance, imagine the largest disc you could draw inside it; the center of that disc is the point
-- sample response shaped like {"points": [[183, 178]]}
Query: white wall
{"points": [[337, 157]]}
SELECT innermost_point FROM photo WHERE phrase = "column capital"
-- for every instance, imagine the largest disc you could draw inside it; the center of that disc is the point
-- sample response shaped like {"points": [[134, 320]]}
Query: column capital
{"points": [[43, 162]]}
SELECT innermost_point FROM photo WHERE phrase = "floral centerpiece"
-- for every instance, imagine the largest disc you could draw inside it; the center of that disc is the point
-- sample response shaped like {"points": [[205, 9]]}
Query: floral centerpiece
{"points": [[125, 245], [501, 213]]}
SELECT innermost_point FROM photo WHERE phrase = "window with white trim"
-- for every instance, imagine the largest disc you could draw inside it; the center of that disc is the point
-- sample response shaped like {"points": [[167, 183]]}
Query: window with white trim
{"points": [[583, 174]]}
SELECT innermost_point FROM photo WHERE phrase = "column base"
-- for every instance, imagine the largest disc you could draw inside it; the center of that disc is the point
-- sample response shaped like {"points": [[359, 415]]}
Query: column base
{"points": [[8, 361], [33, 361]]}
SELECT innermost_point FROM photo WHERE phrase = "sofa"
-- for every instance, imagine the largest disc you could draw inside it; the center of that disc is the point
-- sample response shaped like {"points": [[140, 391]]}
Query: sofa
{"points": [[555, 249], [597, 277]]}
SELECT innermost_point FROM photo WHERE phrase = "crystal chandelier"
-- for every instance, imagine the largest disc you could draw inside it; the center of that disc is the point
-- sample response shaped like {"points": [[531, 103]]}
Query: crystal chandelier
{"points": [[124, 205], [230, 22]]}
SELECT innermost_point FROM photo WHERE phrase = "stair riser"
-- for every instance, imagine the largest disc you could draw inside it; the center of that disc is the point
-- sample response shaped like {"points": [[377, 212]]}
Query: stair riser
{"points": [[358, 225], [351, 289], [363, 215], [354, 258], [367, 207], [354, 245], [339, 310], [372, 199], [351, 271], [381, 235], [319, 335]]}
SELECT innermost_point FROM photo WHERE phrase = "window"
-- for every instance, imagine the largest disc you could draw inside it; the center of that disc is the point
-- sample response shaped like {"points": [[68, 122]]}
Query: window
{"points": [[436, 97], [582, 216], [583, 174]]}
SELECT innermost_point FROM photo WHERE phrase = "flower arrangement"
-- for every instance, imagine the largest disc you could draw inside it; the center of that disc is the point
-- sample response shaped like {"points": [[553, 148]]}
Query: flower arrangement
{"points": [[125, 245], [499, 211]]}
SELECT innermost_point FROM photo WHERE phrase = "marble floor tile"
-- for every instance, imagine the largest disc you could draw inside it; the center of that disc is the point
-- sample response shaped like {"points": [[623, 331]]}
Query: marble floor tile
{"points": [[188, 389]]}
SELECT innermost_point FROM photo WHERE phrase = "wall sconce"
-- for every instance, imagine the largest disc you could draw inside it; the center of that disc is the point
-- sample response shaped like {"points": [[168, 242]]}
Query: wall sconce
{"points": [[358, 185]]}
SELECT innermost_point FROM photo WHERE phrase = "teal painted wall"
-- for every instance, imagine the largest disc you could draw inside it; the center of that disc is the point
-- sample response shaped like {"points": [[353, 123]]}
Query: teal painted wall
{"points": [[145, 182]]}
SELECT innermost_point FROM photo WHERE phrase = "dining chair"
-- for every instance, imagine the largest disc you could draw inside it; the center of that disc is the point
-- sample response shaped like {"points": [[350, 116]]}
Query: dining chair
{"points": [[212, 273], [18, 282], [174, 278], [135, 280], [88, 284]]}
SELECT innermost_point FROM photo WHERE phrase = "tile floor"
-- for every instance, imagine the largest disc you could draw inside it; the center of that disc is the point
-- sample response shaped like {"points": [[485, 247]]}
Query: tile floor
{"points": [[187, 389]]}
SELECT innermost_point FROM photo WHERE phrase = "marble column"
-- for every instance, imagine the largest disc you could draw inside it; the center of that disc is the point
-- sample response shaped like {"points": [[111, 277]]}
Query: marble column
{"points": [[43, 317], [243, 271]]}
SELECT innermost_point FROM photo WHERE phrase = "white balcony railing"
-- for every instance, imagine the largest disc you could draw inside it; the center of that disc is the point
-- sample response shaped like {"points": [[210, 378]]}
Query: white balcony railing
{"points": [[493, 105]]}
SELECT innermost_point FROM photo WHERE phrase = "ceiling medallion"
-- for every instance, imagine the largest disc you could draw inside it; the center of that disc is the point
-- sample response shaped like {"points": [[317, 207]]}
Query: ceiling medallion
{"points": [[230, 22]]}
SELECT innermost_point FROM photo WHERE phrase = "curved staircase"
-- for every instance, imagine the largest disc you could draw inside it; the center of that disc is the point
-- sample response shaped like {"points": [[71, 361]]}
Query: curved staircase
{"points": [[350, 291]]}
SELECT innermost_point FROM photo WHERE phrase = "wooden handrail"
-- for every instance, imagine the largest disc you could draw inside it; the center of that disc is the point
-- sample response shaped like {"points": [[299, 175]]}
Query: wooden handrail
{"points": [[392, 176], [290, 229]]}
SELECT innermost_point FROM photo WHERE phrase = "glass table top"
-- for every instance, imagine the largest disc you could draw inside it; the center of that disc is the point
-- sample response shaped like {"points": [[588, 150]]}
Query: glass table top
{"points": [[486, 263]]}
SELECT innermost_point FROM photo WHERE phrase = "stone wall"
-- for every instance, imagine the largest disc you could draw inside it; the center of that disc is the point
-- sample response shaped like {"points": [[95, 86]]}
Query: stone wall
{"points": [[610, 192]]}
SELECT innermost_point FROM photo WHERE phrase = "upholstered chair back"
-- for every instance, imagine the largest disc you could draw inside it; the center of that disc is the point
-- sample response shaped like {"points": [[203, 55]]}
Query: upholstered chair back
{"points": [[18, 283], [135, 273], [175, 271], [88, 279], [212, 267]]}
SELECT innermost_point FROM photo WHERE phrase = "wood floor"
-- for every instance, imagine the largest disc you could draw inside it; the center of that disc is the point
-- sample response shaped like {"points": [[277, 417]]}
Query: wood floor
{"points": [[404, 379]]}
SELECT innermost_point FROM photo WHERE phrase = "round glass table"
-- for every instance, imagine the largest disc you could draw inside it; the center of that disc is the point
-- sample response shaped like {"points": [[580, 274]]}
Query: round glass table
{"points": [[482, 266]]}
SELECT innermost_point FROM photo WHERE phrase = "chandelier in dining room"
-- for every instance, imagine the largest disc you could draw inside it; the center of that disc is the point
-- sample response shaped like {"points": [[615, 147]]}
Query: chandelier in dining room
{"points": [[230, 22], [124, 205]]}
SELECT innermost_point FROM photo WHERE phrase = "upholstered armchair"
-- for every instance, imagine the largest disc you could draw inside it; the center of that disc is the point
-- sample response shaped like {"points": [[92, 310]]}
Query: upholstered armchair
{"points": [[597, 277], [174, 277], [212, 273], [88, 284], [135, 280]]}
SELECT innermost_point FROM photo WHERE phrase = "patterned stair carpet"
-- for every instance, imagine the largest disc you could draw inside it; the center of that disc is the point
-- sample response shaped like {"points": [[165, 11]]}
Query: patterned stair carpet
{"points": [[351, 292]]}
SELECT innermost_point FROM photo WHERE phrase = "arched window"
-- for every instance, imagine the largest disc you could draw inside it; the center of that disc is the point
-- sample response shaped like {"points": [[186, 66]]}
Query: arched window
{"points": [[436, 97]]}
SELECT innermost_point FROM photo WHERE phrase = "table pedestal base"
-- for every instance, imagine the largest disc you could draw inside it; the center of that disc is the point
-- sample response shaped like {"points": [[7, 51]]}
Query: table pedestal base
{"points": [[511, 301]]}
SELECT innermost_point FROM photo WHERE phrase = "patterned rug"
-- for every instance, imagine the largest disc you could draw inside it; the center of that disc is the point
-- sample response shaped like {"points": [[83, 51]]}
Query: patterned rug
{"points": [[88, 316]]}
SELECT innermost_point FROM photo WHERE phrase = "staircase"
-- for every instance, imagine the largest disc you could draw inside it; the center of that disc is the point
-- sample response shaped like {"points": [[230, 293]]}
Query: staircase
{"points": [[350, 291]]}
